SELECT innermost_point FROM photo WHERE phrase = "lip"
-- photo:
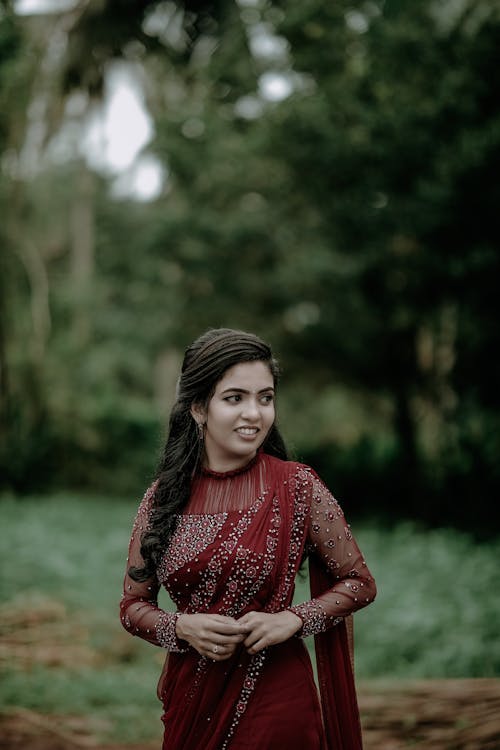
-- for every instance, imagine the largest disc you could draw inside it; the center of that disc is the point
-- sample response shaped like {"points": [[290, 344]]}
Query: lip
{"points": [[247, 432]]}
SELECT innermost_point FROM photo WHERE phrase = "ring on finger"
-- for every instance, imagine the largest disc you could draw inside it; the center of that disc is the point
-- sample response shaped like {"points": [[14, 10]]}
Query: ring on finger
{"points": [[215, 649]]}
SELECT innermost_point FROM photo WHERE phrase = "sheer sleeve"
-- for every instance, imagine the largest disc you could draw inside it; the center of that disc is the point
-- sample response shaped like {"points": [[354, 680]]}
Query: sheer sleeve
{"points": [[139, 611], [329, 538]]}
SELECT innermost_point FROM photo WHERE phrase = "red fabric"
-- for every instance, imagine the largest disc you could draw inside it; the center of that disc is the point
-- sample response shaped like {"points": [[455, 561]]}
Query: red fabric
{"points": [[334, 660], [238, 547], [283, 712]]}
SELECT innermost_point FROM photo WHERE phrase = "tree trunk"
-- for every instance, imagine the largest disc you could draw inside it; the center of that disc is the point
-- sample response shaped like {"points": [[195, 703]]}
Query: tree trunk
{"points": [[82, 254]]}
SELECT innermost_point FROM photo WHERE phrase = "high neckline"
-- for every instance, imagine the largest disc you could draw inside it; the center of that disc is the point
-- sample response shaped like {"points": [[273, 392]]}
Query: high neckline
{"points": [[206, 472]]}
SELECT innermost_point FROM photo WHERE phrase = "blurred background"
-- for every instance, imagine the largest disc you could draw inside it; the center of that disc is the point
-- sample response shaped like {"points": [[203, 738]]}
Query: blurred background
{"points": [[324, 174]]}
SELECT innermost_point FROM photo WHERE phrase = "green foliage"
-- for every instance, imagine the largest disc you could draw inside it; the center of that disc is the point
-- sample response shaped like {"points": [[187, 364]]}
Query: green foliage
{"points": [[353, 224], [434, 615], [72, 551], [425, 623]]}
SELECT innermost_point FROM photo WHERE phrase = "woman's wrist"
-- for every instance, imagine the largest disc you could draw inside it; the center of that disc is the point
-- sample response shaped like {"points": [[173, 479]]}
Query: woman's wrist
{"points": [[180, 620], [294, 619], [166, 632]]}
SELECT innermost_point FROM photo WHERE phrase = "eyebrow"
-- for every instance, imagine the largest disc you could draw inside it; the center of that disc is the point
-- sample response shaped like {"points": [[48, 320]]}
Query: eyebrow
{"points": [[243, 390]]}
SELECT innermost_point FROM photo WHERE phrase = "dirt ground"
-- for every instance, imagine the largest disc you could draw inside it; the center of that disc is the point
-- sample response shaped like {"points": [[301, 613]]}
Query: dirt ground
{"points": [[427, 715], [430, 715]]}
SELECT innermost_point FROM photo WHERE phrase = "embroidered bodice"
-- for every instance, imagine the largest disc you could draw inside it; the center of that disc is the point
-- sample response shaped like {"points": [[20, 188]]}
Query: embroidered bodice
{"points": [[222, 557]]}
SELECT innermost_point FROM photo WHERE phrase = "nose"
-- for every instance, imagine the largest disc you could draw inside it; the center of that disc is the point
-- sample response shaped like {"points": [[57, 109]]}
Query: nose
{"points": [[250, 409]]}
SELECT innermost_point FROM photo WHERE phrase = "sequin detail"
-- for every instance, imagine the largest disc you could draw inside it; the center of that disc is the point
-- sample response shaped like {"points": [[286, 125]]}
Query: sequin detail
{"points": [[248, 568], [192, 536], [142, 517], [166, 633], [314, 618], [249, 684]]}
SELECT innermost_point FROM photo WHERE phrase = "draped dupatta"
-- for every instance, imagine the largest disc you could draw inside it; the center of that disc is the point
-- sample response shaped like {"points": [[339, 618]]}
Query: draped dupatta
{"points": [[334, 648], [335, 662]]}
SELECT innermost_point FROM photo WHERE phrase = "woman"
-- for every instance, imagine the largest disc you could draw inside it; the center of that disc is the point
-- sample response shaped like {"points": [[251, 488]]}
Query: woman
{"points": [[224, 528]]}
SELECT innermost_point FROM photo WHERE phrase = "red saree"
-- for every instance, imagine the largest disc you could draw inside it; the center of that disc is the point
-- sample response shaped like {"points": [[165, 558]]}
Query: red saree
{"points": [[237, 548]]}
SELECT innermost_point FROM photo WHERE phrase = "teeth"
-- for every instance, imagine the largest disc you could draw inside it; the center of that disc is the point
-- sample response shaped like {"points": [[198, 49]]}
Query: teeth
{"points": [[247, 430]]}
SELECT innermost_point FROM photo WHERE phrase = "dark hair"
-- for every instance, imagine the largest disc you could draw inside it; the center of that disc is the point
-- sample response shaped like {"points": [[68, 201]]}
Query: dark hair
{"points": [[205, 363]]}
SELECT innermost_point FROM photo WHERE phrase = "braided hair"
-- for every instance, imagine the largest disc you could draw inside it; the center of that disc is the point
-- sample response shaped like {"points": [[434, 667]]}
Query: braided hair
{"points": [[205, 362]]}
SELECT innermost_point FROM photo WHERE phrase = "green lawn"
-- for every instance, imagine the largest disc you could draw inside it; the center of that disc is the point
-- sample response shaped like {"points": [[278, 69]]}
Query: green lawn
{"points": [[437, 613]]}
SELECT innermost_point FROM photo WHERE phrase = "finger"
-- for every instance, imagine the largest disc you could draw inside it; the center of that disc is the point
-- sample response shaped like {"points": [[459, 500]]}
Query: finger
{"points": [[224, 638], [249, 622], [251, 639], [226, 632], [216, 636], [257, 646], [248, 618], [248, 627], [233, 639], [212, 652], [225, 628], [222, 619], [221, 648], [210, 636], [218, 652]]}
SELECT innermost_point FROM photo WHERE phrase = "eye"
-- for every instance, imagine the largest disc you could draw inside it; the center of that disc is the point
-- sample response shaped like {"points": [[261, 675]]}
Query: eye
{"points": [[234, 399], [267, 398]]}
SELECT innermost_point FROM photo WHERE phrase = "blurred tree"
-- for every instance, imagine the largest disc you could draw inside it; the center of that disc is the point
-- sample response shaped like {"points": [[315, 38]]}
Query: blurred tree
{"points": [[330, 183], [397, 149], [24, 315], [340, 222]]}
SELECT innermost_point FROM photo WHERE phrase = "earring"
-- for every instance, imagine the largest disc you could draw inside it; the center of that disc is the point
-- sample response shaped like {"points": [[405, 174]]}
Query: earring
{"points": [[201, 431]]}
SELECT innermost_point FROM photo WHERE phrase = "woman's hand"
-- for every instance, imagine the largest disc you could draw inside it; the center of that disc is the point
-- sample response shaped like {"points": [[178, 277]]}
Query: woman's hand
{"points": [[214, 636], [265, 629]]}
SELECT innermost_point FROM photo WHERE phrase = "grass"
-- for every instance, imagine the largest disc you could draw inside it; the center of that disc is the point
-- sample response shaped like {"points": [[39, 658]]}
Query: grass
{"points": [[437, 613]]}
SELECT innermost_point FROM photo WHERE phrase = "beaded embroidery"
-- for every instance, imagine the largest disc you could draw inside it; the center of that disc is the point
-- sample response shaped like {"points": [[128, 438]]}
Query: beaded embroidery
{"points": [[325, 516], [202, 595], [249, 683], [314, 618], [192, 536], [165, 631]]}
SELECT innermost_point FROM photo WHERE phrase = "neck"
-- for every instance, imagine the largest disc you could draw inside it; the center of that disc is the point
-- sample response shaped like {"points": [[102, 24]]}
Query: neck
{"points": [[222, 465]]}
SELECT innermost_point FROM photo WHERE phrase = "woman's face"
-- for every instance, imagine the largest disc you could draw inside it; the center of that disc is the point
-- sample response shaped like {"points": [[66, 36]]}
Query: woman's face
{"points": [[239, 415]]}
